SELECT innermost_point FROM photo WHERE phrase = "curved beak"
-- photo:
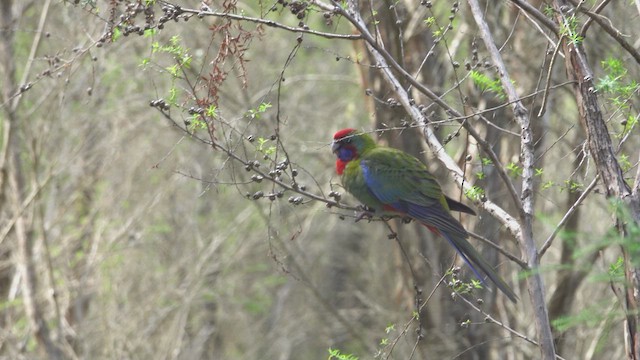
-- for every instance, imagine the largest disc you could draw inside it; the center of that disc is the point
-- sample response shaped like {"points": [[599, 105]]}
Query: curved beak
{"points": [[335, 146]]}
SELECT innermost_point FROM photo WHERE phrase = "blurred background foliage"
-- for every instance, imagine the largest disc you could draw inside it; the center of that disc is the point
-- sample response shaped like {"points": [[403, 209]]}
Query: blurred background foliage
{"points": [[146, 242]]}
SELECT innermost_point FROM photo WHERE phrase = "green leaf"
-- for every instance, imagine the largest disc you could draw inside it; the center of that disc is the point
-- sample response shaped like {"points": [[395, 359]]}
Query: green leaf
{"points": [[624, 162], [116, 34], [486, 161], [150, 32], [173, 95], [429, 21], [173, 70], [514, 169], [485, 83], [474, 193], [547, 185], [256, 113], [573, 186], [211, 110], [390, 328], [548, 11], [338, 355], [616, 270]]}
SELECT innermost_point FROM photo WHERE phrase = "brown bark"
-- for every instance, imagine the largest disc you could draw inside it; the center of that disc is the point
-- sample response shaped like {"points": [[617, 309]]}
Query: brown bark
{"points": [[609, 170]]}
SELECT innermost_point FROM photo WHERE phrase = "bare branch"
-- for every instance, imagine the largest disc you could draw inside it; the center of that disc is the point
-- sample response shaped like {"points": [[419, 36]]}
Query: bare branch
{"points": [[500, 249], [32, 53], [606, 25], [567, 215], [596, 10], [271, 23], [6, 229], [529, 9], [548, 80], [251, 165], [536, 285], [491, 319]]}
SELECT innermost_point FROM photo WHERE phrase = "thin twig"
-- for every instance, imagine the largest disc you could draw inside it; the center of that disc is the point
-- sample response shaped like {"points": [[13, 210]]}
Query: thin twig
{"points": [[529, 9], [567, 215], [548, 80], [609, 29], [267, 177], [6, 229], [405, 329], [500, 249], [271, 23], [596, 10], [405, 255], [32, 53], [491, 319], [557, 141]]}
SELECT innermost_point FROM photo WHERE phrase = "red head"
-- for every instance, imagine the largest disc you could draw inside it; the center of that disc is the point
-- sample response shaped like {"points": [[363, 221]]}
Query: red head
{"points": [[349, 144], [339, 135]]}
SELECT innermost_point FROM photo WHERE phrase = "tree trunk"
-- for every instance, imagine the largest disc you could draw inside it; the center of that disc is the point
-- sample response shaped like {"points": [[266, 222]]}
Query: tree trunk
{"points": [[601, 149]]}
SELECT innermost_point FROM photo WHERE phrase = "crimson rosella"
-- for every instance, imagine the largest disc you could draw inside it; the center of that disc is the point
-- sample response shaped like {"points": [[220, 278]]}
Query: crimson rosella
{"points": [[391, 182]]}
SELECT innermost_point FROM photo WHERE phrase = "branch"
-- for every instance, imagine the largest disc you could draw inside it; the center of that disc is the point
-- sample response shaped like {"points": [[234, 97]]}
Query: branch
{"points": [[608, 28], [548, 80], [500, 249], [519, 111], [270, 23], [589, 21], [567, 215], [251, 165], [529, 249], [32, 53], [490, 319], [535, 13], [6, 229], [495, 210]]}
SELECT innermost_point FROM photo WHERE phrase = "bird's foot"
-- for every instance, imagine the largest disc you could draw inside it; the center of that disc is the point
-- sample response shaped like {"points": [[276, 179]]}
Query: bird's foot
{"points": [[366, 213]]}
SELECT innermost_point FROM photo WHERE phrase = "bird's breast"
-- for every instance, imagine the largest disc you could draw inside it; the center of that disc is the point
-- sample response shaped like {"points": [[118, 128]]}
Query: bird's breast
{"points": [[353, 180]]}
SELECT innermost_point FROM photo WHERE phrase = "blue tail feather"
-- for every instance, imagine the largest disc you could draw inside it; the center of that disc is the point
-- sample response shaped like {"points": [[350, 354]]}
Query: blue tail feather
{"points": [[465, 258], [473, 259]]}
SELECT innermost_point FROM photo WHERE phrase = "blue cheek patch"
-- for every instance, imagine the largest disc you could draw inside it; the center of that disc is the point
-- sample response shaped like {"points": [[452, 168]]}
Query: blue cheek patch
{"points": [[346, 153]]}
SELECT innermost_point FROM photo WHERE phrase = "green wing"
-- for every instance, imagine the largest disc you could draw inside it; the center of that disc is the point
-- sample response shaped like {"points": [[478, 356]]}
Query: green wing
{"points": [[395, 176]]}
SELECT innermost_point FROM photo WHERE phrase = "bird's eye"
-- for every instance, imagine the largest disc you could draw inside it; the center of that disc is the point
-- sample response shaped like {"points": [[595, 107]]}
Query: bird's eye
{"points": [[347, 140]]}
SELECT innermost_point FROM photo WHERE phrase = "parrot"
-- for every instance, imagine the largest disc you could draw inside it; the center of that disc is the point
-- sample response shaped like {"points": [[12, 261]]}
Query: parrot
{"points": [[390, 182]]}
